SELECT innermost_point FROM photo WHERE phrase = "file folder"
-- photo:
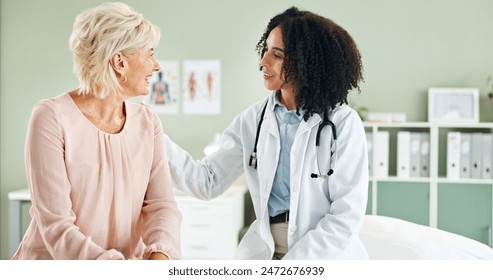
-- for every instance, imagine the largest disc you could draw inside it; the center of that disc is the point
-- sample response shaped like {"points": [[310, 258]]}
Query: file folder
{"points": [[425, 155], [487, 156], [453, 154], [403, 154], [465, 155], [381, 154], [476, 155], [415, 154]]}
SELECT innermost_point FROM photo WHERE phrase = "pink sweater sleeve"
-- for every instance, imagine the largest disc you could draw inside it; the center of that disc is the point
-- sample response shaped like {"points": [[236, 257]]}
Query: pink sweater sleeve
{"points": [[50, 190], [161, 217]]}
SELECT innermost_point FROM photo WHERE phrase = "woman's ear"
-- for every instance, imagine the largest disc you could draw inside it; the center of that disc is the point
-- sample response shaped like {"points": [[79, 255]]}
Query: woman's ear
{"points": [[117, 62]]}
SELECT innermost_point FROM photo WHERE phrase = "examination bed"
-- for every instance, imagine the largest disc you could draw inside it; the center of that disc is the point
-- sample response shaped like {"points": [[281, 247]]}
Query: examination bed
{"points": [[388, 238]]}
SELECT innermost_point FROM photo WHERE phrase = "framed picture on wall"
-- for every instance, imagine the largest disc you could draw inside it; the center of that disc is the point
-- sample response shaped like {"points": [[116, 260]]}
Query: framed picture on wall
{"points": [[458, 105]]}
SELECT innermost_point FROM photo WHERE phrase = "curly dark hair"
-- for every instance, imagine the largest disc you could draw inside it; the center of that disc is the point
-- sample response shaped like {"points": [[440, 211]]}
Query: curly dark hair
{"points": [[321, 60]]}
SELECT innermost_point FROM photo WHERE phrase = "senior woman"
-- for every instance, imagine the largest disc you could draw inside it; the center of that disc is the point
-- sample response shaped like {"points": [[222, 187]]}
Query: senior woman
{"points": [[95, 163]]}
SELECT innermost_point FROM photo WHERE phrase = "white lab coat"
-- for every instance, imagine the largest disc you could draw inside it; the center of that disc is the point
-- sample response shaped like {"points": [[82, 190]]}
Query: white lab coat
{"points": [[325, 214]]}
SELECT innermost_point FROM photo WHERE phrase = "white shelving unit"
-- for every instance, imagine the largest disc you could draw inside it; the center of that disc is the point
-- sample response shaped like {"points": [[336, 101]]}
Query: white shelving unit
{"points": [[436, 166]]}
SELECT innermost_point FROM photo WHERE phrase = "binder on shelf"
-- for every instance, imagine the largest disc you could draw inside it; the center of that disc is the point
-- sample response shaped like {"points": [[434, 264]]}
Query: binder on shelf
{"points": [[403, 154], [453, 155], [369, 146], [476, 155], [425, 155], [487, 156], [381, 153], [465, 155], [415, 154]]}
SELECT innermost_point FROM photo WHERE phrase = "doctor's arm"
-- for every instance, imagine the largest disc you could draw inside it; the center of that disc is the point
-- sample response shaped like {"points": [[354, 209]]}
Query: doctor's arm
{"points": [[348, 189], [213, 175]]}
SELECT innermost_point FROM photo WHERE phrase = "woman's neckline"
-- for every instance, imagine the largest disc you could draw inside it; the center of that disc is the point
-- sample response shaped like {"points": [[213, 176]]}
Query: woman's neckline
{"points": [[89, 122]]}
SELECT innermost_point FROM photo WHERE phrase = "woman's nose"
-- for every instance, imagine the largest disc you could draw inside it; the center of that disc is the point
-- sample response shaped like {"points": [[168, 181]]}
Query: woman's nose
{"points": [[157, 67], [263, 62]]}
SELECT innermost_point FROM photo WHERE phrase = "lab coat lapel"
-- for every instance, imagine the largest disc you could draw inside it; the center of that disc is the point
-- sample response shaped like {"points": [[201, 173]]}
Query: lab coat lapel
{"points": [[315, 120], [269, 148], [301, 140], [301, 146]]}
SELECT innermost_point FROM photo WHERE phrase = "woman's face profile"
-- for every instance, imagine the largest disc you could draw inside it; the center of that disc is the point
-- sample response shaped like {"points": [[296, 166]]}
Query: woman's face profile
{"points": [[272, 60], [139, 68]]}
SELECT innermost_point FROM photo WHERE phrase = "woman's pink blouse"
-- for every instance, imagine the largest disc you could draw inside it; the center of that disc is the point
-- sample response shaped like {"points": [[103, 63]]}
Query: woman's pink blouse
{"points": [[97, 195]]}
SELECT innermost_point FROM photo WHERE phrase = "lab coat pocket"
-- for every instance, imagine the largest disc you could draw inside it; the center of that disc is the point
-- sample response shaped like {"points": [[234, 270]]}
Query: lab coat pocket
{"points": [[252, 246]]}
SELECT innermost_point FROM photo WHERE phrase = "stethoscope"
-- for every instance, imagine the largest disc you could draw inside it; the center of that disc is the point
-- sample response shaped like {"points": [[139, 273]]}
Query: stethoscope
{"points": [[325, 122]]}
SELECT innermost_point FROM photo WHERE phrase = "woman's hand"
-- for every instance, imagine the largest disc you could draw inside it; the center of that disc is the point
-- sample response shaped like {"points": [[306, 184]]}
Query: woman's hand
{"points": [[158, 256]]}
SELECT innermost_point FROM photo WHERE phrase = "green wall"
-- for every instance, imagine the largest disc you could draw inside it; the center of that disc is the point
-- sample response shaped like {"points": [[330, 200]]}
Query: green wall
{"points": [[407, 46]]}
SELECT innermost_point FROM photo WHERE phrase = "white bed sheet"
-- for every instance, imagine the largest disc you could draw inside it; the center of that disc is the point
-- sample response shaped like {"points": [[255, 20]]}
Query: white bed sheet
{"points": [[387, 238]]}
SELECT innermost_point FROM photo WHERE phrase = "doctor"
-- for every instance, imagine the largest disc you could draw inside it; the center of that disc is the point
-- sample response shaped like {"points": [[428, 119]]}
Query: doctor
{"points": [[309, 199]]}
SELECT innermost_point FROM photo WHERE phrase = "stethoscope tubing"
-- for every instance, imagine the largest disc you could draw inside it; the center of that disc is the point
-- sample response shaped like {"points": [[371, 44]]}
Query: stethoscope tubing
{"points": [[325, 122]]}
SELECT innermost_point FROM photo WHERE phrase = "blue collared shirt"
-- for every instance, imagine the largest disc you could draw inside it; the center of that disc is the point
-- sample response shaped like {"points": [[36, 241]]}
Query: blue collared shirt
{"points": [[288, 123]]}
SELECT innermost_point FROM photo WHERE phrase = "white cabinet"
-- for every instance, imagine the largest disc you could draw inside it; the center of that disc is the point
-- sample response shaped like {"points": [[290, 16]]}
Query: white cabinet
{"points": [[460, 205], [210, 229]]}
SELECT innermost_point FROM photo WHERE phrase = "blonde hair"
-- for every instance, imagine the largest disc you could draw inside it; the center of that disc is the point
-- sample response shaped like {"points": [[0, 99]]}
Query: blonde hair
{"points": [[100, 32]]}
